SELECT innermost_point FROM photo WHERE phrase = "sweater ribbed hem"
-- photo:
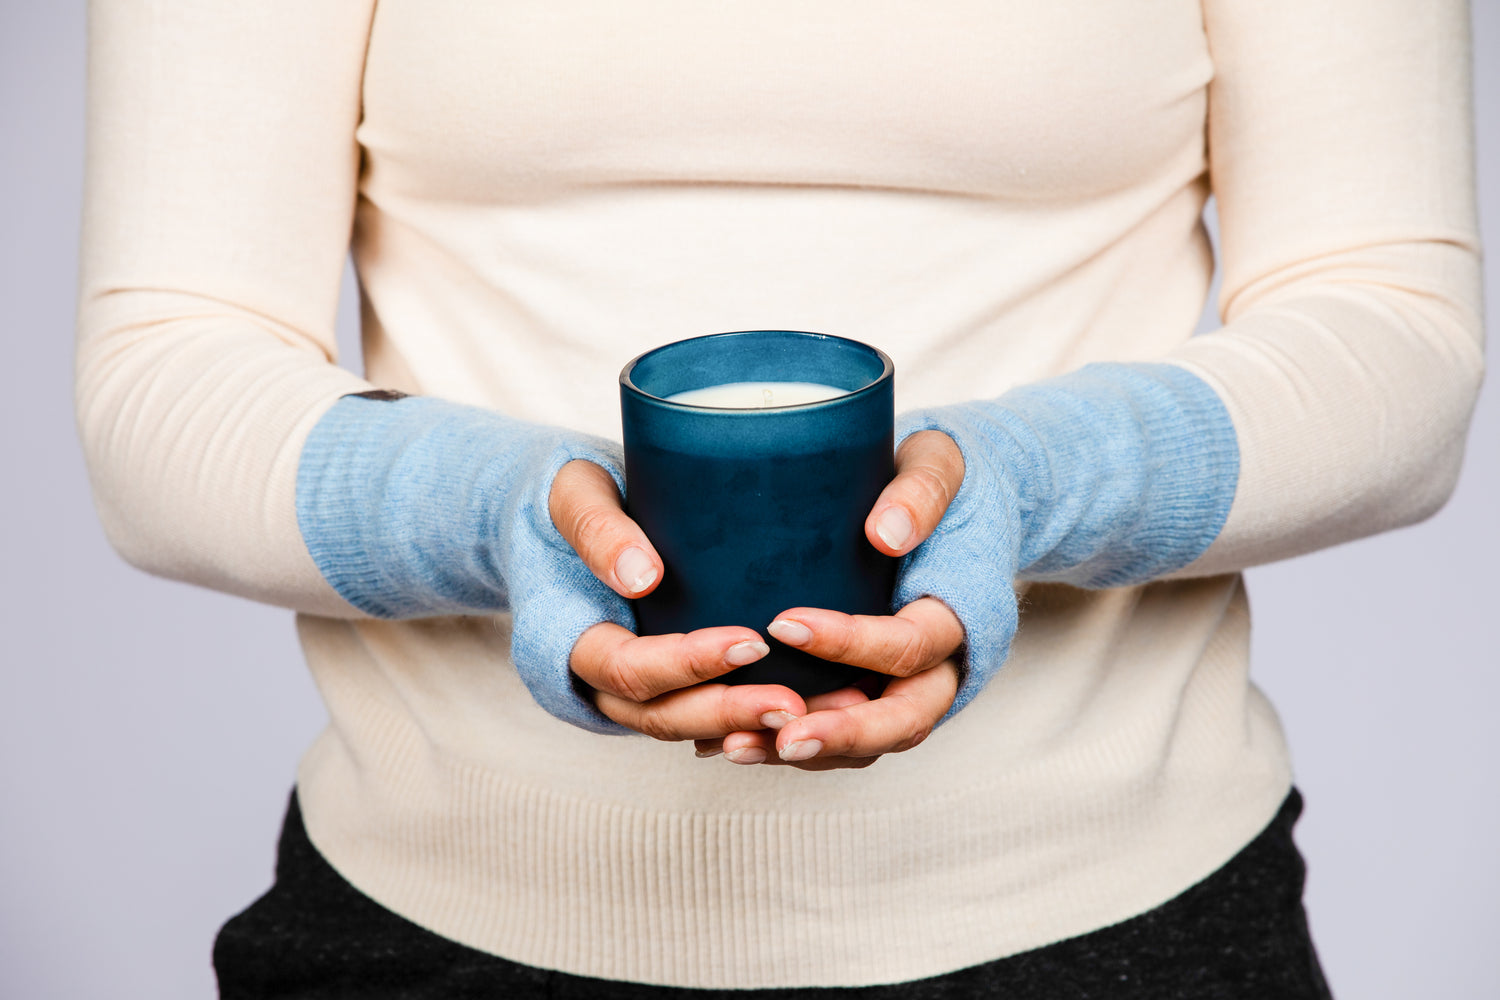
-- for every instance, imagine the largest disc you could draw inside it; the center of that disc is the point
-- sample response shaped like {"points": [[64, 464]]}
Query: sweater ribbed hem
{"points": [[631, 860]]}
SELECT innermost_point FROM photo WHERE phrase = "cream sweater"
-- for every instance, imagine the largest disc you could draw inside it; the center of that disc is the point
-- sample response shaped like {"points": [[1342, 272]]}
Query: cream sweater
{"points": [[993, 193]]}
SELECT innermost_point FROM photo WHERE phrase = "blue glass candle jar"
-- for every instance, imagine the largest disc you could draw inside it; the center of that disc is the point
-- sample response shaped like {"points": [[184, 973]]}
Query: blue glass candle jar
{"points": [[758, 510]]}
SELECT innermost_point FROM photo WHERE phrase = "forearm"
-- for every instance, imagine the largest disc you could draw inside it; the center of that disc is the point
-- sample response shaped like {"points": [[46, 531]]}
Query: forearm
{"points": [[221, 181], [191, 427], [219, 190], [1343, 165], [1350, 390], [1334, 407]]}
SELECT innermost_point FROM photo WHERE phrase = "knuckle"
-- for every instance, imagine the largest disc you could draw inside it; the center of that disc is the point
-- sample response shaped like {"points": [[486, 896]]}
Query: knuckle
{"points": [[843, 643], [653, 722], [914, 737], [621, 678], [912, 655], [729, 715], [591, 523], [929, 486], [844, 738]]}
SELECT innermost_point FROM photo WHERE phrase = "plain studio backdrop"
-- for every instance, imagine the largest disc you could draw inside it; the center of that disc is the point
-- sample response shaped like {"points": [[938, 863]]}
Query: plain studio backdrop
{"points": [[149, 730]]}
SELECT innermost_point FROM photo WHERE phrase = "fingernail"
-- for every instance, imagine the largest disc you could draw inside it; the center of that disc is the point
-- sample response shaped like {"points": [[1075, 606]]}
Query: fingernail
{"points": [[893, 526], [790, 632], [776, 719], [710, 751], [801, 750], [746, 755], [635, 570], [742, 653]]}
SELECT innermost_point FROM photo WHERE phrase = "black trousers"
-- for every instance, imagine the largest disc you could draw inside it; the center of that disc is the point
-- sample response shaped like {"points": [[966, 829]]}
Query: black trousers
{"points": [[1240, 934]]}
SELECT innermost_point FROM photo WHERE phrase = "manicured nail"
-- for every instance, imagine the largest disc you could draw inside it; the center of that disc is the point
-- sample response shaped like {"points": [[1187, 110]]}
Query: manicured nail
{"points": [[893, 526], [802, 750], [746, 755], [776, 719], [712, 750], [790, 632], [635, 570], [742, 653]]}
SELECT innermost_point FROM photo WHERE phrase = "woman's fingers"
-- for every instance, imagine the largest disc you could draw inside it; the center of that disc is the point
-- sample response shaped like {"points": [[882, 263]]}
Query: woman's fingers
{"points": [[655, 684], [585, 506], [759, 746], [848, 730], [929, 471], [902, 717], [706, 712], [616, 662], [914, 639]]}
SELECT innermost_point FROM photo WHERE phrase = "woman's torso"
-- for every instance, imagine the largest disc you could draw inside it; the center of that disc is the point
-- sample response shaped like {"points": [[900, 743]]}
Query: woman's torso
{"points": [[992, 193]]}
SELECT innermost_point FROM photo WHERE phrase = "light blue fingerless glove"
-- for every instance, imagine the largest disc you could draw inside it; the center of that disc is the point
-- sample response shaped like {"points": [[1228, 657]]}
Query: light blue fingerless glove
{"points": [[1112, 475], [413, 506]]}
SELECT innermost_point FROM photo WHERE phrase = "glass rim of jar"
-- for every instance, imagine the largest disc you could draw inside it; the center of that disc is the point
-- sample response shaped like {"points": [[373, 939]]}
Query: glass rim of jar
{"points": [[887, 372]]}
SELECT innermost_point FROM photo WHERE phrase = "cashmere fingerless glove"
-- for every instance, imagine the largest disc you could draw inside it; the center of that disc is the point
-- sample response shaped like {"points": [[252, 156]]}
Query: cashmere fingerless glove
{"points": [[1115, 474], [413, 507]]}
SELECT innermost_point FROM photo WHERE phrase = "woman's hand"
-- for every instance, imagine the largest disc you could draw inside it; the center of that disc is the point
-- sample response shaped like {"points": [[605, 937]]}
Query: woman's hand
{"points": [[661, 685], [848, 728], [657, 685]]}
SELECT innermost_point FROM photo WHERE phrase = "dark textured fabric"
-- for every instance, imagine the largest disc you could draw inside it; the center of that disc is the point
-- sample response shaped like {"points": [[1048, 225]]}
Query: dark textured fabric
{"points": [[381, 395], [1240, 934]]}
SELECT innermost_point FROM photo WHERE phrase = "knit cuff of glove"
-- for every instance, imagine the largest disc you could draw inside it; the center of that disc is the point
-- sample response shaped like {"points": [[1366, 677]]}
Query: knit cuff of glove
{"points": [[1132, 469], [413, 507]]}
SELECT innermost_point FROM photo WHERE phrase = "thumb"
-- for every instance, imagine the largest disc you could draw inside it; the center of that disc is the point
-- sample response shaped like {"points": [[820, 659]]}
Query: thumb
{"points": [[929, 471], [585, 507]]}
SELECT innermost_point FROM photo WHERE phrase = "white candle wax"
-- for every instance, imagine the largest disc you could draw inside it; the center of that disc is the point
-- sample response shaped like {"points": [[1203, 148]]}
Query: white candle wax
{"points": [[757, 395]]}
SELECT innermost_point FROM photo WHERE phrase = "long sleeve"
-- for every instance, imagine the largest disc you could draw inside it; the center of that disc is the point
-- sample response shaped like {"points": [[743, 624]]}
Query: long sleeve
{"points": [[1335, 402], [213, 244], [1340, 144], [221, 189]]}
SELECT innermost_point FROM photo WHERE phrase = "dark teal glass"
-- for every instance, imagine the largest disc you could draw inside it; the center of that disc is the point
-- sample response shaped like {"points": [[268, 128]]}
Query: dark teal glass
{"points": [[756, 511]]}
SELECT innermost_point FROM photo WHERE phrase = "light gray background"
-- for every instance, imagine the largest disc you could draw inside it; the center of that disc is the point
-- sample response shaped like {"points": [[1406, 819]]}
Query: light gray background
{"points": [[149, 730]]}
